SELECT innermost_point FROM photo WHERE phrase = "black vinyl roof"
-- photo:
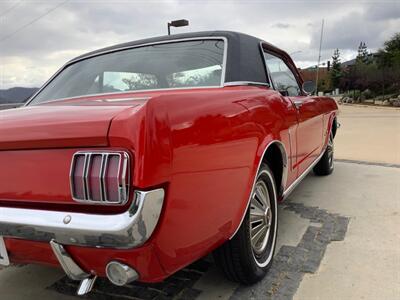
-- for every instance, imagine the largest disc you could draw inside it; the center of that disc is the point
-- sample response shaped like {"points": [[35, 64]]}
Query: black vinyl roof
{"points": [[244, 56]]}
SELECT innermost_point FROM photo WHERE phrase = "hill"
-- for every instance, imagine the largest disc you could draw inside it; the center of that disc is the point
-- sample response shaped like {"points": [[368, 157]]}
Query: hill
{"points": [[16, 94]]}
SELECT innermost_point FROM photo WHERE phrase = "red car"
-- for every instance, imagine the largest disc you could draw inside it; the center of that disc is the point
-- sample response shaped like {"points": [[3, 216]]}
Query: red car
{"points": [[135, 160]]}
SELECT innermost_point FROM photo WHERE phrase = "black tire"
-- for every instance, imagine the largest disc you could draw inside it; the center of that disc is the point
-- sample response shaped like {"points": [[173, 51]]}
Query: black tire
{"points": [[240, 259], [326, 164]]}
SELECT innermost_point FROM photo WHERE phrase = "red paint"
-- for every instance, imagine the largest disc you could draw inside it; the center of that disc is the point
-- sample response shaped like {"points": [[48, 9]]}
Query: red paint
{"points": [[202, 145], [55, 126], [91, 259]]}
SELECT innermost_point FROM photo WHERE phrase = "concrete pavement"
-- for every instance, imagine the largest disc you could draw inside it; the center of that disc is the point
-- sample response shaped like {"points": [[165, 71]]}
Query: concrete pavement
{"points": [[366, 265], [369, 134]]}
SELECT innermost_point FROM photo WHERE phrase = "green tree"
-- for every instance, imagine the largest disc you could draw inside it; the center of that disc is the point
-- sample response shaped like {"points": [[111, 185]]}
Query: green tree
{"points": [[388, 60], [362, 56], [140, 81], [389, 56], [324, 84], [336, 69], [377, 73]]}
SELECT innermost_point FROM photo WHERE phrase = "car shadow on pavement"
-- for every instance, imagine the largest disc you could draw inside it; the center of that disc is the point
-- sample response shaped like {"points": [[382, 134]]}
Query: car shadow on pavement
{"points": [[291, 263], [289, 266]]}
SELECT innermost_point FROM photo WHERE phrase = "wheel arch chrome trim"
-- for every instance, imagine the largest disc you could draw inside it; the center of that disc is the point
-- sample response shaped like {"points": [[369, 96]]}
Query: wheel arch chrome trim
{"points": [[282, 148]]}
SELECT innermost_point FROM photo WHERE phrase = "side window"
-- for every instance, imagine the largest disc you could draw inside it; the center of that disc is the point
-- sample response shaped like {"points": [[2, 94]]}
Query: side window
{"points": [[281, 75]]}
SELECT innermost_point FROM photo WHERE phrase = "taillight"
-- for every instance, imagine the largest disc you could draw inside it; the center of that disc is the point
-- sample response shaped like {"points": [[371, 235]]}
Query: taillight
{"points": [[100, 177]]}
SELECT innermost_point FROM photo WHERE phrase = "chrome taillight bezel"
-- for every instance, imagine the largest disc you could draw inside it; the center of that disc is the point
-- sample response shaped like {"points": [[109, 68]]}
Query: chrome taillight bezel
{"points": [[123, 178]]}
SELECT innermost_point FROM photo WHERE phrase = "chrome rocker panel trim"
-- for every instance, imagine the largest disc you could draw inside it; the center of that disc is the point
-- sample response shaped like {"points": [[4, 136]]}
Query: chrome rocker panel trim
{"points": [[291, 188], [121, 231]]}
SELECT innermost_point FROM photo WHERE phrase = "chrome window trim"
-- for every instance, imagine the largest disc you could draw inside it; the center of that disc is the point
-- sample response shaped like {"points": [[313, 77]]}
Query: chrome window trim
{"points": [[271, 52], [268, 73], [123, 160], [251, 83], [223, 72], [126, 230], [128, 93]]}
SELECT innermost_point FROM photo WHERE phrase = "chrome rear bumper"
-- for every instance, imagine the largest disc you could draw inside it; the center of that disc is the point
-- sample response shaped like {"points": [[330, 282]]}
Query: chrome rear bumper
{"points": [[121, 231]]}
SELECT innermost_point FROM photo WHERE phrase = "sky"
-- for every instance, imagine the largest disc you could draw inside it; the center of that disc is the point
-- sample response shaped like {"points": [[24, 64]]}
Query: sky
{"points": [[38, 37]]}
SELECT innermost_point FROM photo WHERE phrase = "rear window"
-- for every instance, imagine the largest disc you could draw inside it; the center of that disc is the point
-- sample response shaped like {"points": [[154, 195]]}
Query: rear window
{"points": [[183, 64], [128, 81]]}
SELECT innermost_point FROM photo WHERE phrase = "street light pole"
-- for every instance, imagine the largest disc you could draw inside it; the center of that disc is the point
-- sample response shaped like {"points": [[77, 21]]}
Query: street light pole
{"points": [[177, 23]]}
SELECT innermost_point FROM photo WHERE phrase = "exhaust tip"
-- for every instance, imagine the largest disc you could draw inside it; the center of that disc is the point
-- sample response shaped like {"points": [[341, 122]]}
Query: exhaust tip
{"points": [[120, 274]]}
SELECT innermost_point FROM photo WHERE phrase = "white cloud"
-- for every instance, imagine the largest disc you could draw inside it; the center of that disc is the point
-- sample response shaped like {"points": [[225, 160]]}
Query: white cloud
{"points": [[30, 56]]}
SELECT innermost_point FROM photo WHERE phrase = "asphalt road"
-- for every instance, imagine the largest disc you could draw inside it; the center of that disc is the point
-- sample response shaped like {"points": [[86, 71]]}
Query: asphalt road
{"points": [[338, 235]]}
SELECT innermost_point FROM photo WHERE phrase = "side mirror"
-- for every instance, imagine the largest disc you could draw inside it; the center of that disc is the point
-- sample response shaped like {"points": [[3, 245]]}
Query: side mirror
{"points": [[284, 93], [309, 86]]}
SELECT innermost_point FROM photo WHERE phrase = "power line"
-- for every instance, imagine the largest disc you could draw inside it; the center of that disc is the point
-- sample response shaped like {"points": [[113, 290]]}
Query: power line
{"points": [[10, 9], [31, 22]]}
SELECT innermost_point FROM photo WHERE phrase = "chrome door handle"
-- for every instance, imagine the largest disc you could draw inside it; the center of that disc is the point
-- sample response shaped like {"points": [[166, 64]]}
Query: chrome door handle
{"points": [[298, 104]]}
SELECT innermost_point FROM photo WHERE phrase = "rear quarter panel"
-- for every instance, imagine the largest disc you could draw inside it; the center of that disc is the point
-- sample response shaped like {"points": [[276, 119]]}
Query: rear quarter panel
{"points": [[206, 146], [329, 110]]}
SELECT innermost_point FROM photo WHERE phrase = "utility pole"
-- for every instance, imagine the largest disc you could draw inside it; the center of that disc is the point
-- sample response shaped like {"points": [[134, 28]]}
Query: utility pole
{"points": [[319, 57]]}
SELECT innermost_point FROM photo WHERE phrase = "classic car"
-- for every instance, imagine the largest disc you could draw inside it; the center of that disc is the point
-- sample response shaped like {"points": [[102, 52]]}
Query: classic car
{"points": [[136, 160]]}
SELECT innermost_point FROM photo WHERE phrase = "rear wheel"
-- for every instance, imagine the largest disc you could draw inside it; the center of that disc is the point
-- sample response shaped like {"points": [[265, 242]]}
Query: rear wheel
{"points": [[325, 166], [247, 257]]}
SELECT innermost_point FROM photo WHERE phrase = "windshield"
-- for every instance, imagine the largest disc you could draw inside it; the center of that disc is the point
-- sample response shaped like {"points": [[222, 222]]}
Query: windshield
{"points": [[183, 64]]}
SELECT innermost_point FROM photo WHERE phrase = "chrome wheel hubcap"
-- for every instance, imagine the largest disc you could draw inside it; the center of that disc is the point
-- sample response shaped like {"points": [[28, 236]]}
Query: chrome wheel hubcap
{"points": [[260, 218]]}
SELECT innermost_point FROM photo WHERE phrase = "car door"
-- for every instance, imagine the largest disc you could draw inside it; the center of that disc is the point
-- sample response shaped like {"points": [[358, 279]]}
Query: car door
{"points": [[309, 130]]}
